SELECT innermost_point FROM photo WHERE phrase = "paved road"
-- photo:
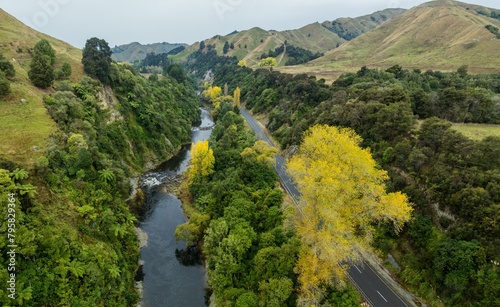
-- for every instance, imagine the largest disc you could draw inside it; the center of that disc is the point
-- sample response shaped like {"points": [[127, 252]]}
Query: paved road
{"points": [[373, 288]]}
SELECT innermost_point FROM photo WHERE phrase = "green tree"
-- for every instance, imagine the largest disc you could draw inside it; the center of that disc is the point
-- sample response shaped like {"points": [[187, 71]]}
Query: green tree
{"points": [[96, 59], [41, 71], [42, 65], [43, 47], [66, 70], [7, 67], [177, 72], [275, 292], [4, 85], [225, 49]]}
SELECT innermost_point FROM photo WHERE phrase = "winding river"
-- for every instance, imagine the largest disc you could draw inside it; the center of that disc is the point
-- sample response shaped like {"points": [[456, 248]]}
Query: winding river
{"points": [[166, 281]]}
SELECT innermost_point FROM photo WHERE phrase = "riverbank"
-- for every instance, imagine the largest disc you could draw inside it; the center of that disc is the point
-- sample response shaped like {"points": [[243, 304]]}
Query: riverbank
{"points": [[166, 280]]}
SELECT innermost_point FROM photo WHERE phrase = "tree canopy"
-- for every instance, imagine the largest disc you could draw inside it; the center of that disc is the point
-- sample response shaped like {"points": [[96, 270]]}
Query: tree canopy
{"points": [[96, 59], [41, 71], [342, 191]]}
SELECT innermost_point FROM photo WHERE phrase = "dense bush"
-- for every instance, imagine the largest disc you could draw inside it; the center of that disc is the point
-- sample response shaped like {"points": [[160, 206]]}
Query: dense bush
{"points": [[76, 238], [453, 181], [41, 71]]}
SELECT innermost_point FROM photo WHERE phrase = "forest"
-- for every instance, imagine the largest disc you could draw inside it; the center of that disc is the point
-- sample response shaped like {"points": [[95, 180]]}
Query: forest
{"points": [[75, 223], [296, 55], [448, 252], [236, 213]]}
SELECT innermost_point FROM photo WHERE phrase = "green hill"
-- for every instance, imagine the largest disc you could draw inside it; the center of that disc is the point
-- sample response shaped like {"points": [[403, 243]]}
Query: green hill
{"points": [[26, 126], [350, 28], [441, 35], [136, 51], [67, 154], [316, 37]]}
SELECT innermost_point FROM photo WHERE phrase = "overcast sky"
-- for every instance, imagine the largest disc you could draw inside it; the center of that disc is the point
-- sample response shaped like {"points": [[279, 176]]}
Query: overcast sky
{"points": [[184, 21]]}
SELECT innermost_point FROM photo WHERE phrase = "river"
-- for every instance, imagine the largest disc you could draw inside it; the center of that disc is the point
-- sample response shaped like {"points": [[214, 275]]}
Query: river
{"points": [[166, 281]]}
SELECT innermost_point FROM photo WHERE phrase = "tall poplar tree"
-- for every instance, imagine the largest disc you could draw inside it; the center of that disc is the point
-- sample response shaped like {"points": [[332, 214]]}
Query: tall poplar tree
{"points": [[343, 192]]}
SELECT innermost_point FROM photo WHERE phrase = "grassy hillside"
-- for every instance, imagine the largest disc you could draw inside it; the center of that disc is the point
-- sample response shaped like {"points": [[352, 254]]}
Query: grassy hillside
{"points": [[67, 154], [136, 51], [440, 35], [477, 132], [350, 28], [316, 37], [26, 126]]}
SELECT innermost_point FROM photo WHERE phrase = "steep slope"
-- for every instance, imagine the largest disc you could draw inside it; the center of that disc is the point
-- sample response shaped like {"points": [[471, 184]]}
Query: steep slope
{"points": [[67, 154], [316, 37], [350, 28], [136, 51], [26, 126], [440, 35]]}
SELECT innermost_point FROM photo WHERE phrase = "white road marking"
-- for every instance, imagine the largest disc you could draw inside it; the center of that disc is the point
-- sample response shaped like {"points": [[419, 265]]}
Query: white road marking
{"points": [[382, 297], [358, 269]]}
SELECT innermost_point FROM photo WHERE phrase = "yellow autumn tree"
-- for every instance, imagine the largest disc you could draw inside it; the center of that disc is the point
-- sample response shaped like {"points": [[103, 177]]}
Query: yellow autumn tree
{"points": [[268, 62], [202, 161], [261, 152], [343, 192], [212, 92], [237, 97], [243, 63]]}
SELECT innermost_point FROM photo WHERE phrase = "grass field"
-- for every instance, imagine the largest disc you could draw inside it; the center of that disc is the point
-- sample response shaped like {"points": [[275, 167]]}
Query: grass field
{"points": [[25, 128], [477, 131]]}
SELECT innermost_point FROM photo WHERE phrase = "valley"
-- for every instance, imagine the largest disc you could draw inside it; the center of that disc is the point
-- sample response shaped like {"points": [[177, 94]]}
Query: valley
{"points": [[347, 162]]}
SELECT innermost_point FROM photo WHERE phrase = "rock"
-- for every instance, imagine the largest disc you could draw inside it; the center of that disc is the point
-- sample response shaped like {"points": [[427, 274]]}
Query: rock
{"points": [[35, 148], [393, 262], [23, 100], [142, 236]]}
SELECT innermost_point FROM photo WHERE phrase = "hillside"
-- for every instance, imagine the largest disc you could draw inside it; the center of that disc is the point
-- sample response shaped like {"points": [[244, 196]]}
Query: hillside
{"points": [[67, 154], [25, 127], [350, 28], [316, 37], [441, 35], [136, 51]]}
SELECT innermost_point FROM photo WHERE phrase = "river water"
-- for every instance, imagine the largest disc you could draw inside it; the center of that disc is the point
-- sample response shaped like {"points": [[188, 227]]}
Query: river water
{"points": [[166, 281]]}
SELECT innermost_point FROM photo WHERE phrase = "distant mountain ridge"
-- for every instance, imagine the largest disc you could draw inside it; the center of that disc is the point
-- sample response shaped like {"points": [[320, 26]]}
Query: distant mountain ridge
{"points": [[438, 35], [136, 51], [316, 37], [350, 28]]}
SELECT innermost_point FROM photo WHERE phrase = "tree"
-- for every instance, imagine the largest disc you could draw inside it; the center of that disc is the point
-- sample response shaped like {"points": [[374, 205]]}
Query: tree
{"points": [[237, 97], [42, 65], [260, 152], [4, 85], [177, 72], [41, 71], [202, 161], [225, 49], [212, 92], [202, 45], [96, 58], [276, 291], [7, 67], [463, 71], [243, 63], [343, 192], [66, 70], [43, 47], [268, 62]]}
